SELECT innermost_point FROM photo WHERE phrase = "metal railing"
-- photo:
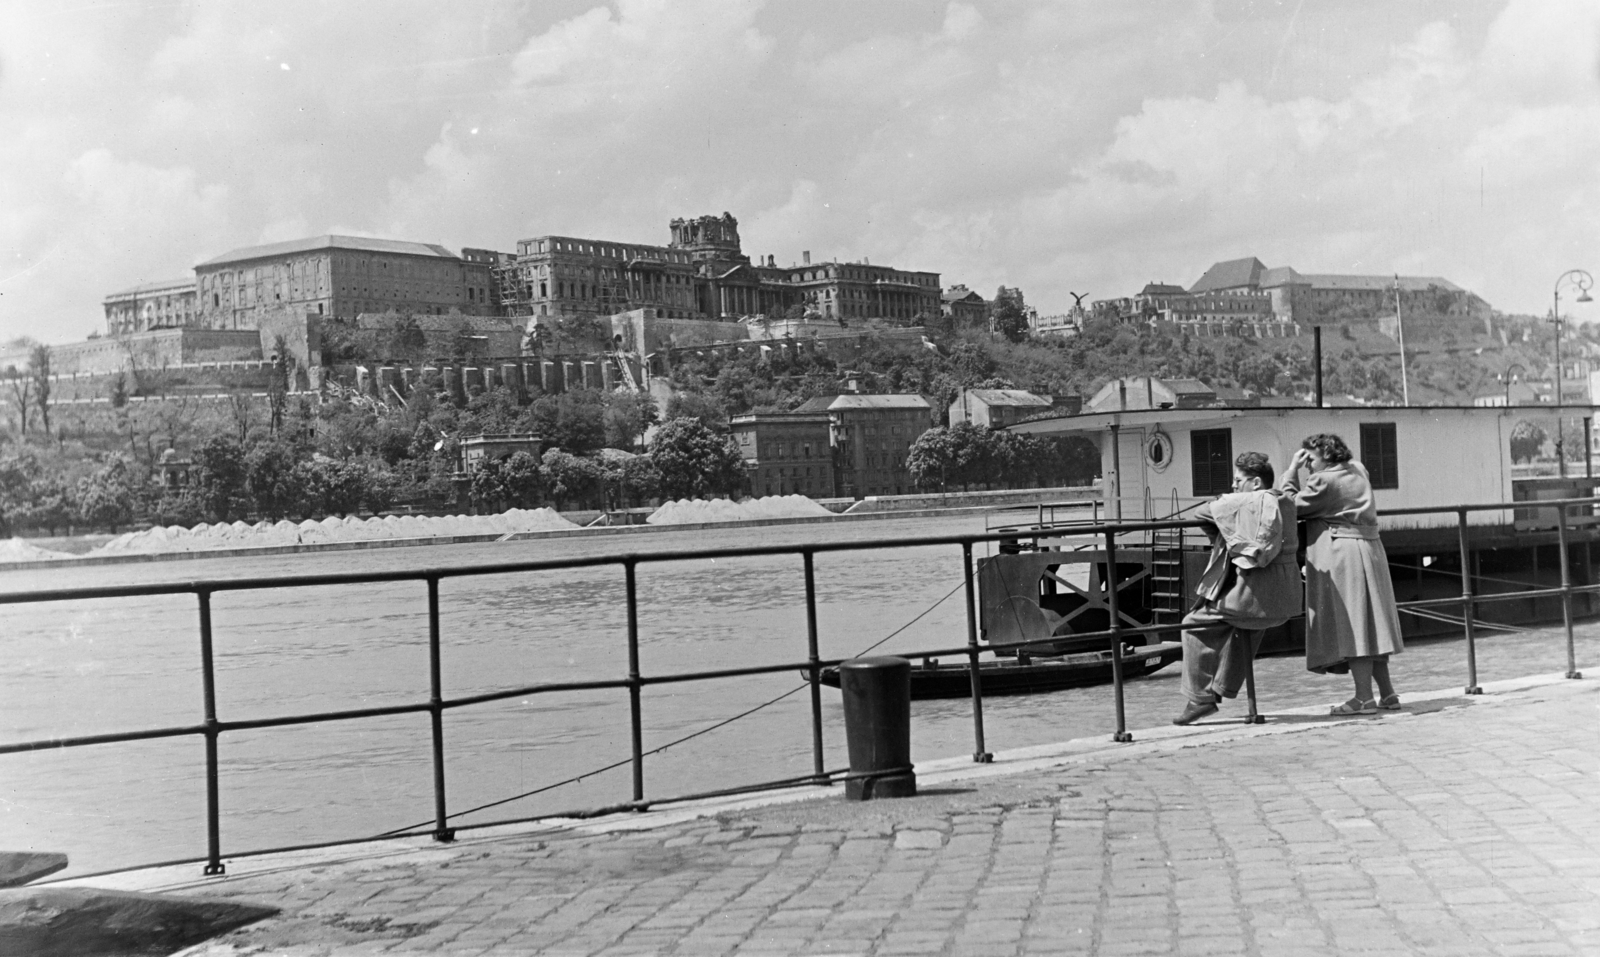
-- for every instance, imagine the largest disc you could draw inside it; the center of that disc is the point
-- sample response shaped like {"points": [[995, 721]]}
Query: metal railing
{"points": [[212, 727]]}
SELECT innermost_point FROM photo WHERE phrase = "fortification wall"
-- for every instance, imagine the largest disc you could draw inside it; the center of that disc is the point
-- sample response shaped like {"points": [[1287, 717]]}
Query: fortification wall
{"points": [[156, 349]]}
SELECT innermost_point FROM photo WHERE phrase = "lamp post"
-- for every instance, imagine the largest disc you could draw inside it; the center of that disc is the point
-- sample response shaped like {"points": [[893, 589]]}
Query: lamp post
{"points": [[1507, 377], [1580, 280]]}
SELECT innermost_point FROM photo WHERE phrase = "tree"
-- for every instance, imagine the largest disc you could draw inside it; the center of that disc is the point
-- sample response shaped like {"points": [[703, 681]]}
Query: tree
{"points": [[107, 497], [278, 387], [329, 487], [39, 371], [1527, 440], [17, 471], [569, 478], [217, 477], [696, 462], [698, 406], [19, 384], [637, 481], [270, 480], [572, 421], [627, 416], [523, 479], [931, 458], [1008, 314], [487, 489]]}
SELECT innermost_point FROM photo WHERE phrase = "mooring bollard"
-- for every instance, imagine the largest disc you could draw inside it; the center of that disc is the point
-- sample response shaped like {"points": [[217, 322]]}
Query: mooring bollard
{"points": [[877, 723]]}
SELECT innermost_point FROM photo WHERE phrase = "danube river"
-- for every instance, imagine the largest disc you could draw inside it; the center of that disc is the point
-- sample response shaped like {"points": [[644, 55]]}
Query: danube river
{"points": [[75, 668]]}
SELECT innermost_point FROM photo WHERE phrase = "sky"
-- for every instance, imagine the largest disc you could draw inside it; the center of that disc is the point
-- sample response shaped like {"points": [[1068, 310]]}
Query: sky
{"points": [[1064, 147]]}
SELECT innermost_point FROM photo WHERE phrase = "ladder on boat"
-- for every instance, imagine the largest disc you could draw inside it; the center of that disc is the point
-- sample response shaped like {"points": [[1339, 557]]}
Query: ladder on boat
{"points": [[1167, 598]]}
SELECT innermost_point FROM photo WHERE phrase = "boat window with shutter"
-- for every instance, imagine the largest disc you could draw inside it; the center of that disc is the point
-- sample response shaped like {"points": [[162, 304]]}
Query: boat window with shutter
{"points": [[1212, 453], [1380, 453]]}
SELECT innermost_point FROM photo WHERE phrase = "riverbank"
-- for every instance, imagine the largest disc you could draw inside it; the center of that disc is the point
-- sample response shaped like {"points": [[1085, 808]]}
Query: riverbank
{"points": [[1459, 825], [77, 551]]}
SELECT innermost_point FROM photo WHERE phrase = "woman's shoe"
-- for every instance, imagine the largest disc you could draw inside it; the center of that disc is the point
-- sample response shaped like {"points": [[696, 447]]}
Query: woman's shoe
{"points": [[1354, 706], [1389, 702]]}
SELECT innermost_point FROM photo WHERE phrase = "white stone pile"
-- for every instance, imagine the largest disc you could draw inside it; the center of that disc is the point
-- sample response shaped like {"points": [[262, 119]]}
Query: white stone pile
{"points": [[223, 536], [20, 550], [699, 511]]}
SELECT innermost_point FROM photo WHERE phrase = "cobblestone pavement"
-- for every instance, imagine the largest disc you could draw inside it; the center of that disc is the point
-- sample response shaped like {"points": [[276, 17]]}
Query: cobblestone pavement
{"points": [[1458, 826]]}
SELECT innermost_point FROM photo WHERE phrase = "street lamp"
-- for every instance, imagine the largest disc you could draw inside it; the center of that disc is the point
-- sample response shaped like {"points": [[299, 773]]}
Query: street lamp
{"points": [[1507, 377], [1580, 280]]}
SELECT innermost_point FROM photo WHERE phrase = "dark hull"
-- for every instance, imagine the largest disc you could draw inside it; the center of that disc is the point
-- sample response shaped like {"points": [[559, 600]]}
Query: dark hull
{"points": [[1006, 677]]}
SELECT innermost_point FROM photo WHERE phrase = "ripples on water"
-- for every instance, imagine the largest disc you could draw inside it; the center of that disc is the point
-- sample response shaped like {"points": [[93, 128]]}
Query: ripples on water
{"points": [[86, 667]]}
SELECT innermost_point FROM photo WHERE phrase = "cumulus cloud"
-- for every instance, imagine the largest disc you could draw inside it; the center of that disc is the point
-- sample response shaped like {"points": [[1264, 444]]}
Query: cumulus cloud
{"points": [[1045, 145]]}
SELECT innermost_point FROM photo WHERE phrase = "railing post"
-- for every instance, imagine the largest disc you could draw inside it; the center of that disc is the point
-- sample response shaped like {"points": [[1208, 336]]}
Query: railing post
{"points": [[442, 831], [208, 690], [629, 566], [1566, 591], [815, 669], [980, 753], [1116, 635], [1468, 606]]}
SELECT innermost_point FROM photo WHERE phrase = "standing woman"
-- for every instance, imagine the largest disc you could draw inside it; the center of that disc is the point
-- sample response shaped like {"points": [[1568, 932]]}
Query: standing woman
{"points": [[1351, 621]]}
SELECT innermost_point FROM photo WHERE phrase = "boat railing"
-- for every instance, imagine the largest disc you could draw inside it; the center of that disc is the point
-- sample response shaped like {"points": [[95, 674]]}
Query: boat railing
{"points": [[212, 726]]}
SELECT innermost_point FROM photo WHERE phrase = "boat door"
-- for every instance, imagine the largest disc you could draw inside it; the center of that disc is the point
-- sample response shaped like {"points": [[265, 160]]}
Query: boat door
{"points": [[1129, 505]]}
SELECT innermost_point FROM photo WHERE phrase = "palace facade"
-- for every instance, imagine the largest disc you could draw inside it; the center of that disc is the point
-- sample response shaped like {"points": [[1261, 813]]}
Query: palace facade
{"points": [[342, 276], [703, 273]]}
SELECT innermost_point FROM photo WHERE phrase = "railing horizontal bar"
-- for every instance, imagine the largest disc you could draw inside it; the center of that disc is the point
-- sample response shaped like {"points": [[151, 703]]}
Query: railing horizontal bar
{"points": [[1478, 599], [740, 672], [1488, 507], [599, 684], [321, 717], [116, 737]]}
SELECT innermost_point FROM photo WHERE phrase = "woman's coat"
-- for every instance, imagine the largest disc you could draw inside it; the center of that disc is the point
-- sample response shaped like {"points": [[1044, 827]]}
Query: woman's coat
{"points": [[1350, 605]]}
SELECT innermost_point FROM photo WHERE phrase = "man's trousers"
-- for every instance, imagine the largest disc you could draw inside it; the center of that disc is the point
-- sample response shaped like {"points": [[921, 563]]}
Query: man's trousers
{"points": [[1216, 656]]}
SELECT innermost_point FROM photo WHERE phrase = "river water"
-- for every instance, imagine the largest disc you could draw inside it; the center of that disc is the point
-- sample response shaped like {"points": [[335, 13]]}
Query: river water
{"points": [[74, 668]]}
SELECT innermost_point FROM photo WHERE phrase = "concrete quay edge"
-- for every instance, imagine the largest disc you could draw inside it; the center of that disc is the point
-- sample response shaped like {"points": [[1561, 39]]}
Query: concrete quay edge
{"points": [[1088, 750]]}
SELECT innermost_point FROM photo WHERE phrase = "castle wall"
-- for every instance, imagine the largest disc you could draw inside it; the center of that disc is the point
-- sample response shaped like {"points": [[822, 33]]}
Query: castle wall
{"points": [[144, 350]]}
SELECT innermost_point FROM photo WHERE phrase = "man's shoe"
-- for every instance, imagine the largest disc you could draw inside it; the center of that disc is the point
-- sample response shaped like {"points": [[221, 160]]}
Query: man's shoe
{"points": [[1195, 712]]}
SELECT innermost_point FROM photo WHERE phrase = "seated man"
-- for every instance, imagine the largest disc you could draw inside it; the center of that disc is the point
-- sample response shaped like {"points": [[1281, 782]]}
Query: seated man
{"points": [[1251, 583]]}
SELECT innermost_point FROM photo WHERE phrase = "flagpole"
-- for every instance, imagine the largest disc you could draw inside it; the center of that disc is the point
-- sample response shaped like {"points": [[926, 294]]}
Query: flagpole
{"points": [[1405, 384]]}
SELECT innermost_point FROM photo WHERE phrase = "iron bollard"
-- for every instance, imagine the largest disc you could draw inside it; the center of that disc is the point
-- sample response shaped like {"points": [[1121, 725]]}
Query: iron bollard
{"points": [[877, 724]]}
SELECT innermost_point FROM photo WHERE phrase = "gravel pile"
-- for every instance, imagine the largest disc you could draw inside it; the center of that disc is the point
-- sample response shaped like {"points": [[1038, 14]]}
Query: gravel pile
{"points": [[223, 536], [19, 550], [698, 511]]}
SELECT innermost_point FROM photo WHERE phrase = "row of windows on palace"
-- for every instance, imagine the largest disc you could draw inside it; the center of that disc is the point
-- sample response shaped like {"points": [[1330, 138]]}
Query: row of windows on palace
{"points": [[1211, 454], [532, 247]]}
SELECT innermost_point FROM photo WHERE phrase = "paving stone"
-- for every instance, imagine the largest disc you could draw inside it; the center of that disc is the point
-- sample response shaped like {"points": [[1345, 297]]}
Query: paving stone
{"points": [[1460, 830]]}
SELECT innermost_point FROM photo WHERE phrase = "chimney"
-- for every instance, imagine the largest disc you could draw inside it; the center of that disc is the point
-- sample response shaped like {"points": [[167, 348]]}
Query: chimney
{"points": [[806, 257]]}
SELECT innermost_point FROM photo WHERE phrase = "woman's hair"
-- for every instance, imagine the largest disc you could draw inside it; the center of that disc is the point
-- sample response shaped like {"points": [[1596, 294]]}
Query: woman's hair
{"points": [[1256, 464], [1329, 446]]}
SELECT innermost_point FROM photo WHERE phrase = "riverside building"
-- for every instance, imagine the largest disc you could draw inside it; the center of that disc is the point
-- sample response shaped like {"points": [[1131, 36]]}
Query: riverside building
{"points": [[787, 452], [870, 436]]}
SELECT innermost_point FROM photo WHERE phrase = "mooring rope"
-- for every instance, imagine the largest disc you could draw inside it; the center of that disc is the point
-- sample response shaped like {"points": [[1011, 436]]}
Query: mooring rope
{"points": [[688, 737]]}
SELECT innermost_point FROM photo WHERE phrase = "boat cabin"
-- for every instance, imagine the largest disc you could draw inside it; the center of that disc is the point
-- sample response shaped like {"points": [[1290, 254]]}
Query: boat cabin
{"points": [[1158, 463], [1162, 462]]}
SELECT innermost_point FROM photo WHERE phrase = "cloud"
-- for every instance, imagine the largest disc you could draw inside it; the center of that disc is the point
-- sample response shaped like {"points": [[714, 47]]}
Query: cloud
{"points": [[1051, 146]]}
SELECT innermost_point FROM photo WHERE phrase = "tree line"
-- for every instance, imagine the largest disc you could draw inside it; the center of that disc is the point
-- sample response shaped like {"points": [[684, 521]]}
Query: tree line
{"points": [[968, 456], [290, 456]]}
